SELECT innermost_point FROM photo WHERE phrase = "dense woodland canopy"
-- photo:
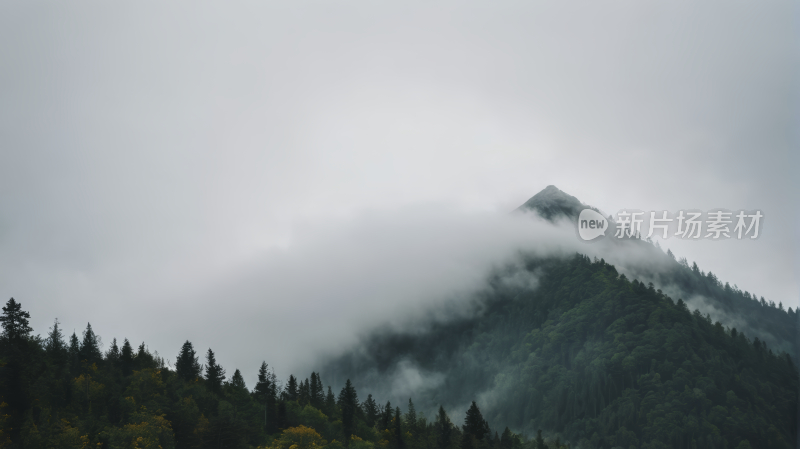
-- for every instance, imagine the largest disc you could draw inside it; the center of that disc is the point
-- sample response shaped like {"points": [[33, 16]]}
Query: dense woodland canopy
{"points": [[605, 362], [60, 392], [590, 358]]}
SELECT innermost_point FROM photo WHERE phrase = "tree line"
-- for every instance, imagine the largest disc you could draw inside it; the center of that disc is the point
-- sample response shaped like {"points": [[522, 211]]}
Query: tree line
{"points": [[58, 392]]}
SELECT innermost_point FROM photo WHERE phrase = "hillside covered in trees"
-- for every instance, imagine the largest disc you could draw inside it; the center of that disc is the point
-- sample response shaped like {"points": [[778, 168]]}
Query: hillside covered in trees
{"points": [[599, 360], [58, 392], [589, 357]]}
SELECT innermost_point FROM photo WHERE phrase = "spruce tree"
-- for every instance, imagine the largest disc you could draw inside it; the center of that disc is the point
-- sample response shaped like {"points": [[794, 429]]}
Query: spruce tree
{"points": [[330, 404], [386, 416], [55, 344], [411, 417], [144, 359], [443, 429], [187, 364], [215, 374], [506, 441], [125, 358], [348, 403], [264, 394], [90, 346], [475, 427], [112, 356], [15, 321], [237, 381], [397, 433], [74, 354], [291, 388], [316, 392], [303, 394], [370, 411]]}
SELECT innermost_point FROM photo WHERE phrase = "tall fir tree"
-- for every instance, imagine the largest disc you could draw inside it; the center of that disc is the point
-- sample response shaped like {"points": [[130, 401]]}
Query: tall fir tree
{"points": [[15, 321], [348, 403], [291, 388], [397, 433], [316, 392], [370, 411], [126, 358], [74, 354], [55, 345], [411, 417], [506, 440], [330, 404], [386, 416], [215, 374], [90, 346], [187, 364], [112, 355], [475, 427], [303, 394], [443, 429], [237, 381], [264, 394]]}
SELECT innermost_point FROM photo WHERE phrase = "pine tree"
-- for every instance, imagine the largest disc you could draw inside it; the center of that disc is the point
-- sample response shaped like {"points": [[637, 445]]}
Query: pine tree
{"points": [[144, 359], [474, 426], [316, 392], [303, 394], [90, 346], [397, 434], [74, 353], [506, 441], [55, 344], [443, 429], [411, 417], [215, 374], [370, 411], [15, 321], [187, 364], [348, 403], [237, 381], [386, 416], [264, 393], [330, 404], [112, 355], [125, 358], [291, 388]]}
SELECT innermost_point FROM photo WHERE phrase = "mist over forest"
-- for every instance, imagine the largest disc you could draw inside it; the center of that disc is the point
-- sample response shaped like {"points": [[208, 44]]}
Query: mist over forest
{"points": [[313, 224], [560, 344]]}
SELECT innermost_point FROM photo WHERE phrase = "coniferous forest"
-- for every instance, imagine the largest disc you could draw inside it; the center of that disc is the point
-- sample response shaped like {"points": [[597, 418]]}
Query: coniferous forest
{"points": [[587, 359]]}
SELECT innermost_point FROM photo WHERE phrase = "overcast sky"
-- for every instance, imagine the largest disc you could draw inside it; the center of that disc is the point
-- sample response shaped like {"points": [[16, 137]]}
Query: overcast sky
{"points": [[161, 163]]}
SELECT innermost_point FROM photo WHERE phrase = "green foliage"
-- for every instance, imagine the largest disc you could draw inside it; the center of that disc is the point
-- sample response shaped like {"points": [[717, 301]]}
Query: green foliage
{"points": [[348, 404], [215, 374], [593, 359], [15, 321], [90, 347], [187, 364]]}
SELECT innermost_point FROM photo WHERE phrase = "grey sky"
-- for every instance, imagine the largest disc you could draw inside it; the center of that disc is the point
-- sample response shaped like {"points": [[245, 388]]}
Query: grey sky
{"points": [[152, 153]]}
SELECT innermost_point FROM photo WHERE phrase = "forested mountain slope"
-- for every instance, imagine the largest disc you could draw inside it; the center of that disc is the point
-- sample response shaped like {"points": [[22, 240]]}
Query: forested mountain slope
{"points": [[598, 359], [761, 317]]}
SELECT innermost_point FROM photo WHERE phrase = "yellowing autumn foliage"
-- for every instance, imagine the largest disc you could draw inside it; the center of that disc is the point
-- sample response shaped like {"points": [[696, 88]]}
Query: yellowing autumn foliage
{"points": [[145, 431], [300, 437]]}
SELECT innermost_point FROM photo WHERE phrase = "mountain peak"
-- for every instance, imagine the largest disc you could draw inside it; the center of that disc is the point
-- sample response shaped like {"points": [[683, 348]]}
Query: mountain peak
{"points": [[552, 202]]}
